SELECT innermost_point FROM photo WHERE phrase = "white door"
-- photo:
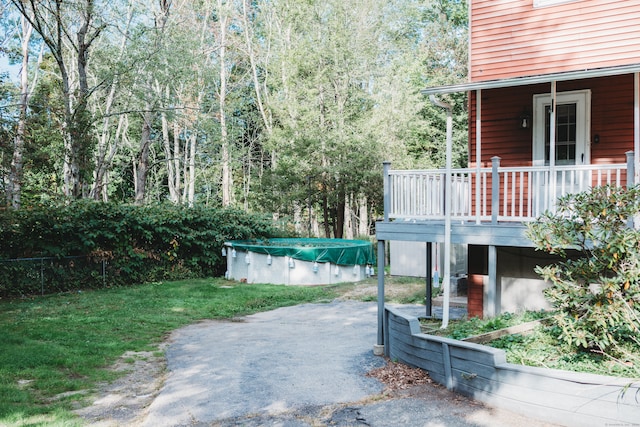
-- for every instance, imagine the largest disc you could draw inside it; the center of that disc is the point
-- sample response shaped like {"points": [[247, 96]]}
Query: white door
{"points": [[573, 116]]}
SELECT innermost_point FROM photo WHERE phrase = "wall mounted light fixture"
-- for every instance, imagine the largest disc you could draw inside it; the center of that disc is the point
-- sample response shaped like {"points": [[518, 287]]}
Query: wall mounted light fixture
{"points": [[525, 120]]}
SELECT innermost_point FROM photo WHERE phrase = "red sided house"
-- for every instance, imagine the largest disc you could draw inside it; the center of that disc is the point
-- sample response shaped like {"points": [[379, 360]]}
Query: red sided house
{"points": [[554, 107]]}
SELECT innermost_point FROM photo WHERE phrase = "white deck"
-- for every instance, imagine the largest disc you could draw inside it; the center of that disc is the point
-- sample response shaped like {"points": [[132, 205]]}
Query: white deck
{"points": [[497, 194]]}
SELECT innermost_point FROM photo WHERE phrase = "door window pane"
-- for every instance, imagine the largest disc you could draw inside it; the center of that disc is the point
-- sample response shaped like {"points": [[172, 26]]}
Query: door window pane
{"points": [[565, 134]]}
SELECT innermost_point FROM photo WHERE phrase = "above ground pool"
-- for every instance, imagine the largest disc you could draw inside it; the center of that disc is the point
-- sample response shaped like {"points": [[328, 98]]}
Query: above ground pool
{"points": [[299, 261]]}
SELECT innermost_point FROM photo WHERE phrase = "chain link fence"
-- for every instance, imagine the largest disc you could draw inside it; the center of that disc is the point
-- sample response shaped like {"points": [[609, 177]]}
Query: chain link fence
{"points": [[46, 275]]}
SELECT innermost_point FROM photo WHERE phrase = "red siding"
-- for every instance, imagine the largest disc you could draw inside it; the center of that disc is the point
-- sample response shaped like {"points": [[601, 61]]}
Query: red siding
{"points": [[511, 38], [611, 119]]}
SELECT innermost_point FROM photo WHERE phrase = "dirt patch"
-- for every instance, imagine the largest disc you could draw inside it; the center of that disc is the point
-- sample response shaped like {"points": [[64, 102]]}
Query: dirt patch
{"points": [[123, 401], [395, 290]]}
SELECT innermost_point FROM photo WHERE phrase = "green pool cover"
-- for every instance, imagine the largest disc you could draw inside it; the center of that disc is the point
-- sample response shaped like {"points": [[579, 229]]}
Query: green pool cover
{"points": [[337, 251]]}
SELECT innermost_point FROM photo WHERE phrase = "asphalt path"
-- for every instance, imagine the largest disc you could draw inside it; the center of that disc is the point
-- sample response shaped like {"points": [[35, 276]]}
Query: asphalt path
{"points": [[299, 366]]}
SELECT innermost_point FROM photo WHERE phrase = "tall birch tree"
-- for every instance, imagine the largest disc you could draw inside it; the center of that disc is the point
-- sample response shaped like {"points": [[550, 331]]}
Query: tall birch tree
{"points": [[16, 175], [69, 31]]}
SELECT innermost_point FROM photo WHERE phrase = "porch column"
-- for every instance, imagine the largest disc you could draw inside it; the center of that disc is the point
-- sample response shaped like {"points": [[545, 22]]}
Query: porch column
{"points": [[636, 127], [495, 189], [478, 197], [631, 222], [551, 202], [386, 199], [378, 349], [631, 169]]}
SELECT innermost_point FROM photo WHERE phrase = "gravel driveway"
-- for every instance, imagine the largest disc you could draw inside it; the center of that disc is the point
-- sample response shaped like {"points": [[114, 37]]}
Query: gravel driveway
{"points": [[298, 366]]}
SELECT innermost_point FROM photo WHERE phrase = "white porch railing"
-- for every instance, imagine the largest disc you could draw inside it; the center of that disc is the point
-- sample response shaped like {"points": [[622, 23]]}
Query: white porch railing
{"points": [[506, 194]]}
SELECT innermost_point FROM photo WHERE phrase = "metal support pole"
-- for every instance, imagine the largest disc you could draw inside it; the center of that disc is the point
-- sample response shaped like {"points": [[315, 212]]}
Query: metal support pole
{"points": [[429, 284], [379, 348], [42, 275], [446, 279]]}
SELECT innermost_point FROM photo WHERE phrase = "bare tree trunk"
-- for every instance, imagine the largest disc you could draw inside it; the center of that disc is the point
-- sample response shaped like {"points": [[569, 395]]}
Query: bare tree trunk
{"points": [[224, 137], [177, 180], [348, 217], [99, 190], [192, 169], [222, 106], [297, 218], [81, 141], [185, 170], [51, 21], [326, 214], [363, 217], [174, 194], [254, 68], [143, 159], [103, 160], [14, 192], [338, 228]]}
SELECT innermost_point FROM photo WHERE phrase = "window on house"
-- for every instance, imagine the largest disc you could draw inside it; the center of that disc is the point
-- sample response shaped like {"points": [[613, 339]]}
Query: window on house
{"points": [[565, 134]]}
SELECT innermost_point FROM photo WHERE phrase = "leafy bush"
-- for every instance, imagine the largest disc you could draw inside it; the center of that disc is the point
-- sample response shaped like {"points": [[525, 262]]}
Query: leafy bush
{"points": [[597, 292], [461, 329], [133, 244]]}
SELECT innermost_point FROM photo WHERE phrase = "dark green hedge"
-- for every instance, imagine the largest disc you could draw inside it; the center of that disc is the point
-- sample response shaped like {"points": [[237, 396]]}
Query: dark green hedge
{"points": [[91, 244]]}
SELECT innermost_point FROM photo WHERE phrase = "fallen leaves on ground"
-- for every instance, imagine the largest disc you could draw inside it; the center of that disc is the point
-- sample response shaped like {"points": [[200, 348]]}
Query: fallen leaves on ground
{"points": [[398, 376]]}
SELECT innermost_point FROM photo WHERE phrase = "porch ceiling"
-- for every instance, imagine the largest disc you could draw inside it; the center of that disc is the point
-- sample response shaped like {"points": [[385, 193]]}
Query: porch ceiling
{"points": [[530, 80]]}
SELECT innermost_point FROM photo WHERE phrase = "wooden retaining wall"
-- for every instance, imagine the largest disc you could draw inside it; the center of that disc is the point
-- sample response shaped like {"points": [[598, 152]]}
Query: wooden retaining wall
{"points": [[482, 373]]}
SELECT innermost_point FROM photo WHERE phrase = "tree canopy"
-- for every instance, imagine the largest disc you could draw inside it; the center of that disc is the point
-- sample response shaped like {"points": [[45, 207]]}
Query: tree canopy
{"points": [[281, 106]]}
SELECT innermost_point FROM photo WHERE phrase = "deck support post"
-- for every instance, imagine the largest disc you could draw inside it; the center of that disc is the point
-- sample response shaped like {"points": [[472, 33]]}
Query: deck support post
{"points": [[429, 279], [490, 291], [379, 348]]}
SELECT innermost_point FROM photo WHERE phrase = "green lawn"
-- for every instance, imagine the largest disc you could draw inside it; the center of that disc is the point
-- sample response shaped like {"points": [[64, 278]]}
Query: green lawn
{"points": [[61, 343]]}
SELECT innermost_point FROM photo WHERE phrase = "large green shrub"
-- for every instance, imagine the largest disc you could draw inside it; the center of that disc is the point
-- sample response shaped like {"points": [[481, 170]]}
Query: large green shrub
{"points": [[96, 244], [597, 293]]}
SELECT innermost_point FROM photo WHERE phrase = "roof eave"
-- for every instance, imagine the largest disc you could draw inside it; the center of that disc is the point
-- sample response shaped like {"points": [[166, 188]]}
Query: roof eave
{"points": [[531, 80]]}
